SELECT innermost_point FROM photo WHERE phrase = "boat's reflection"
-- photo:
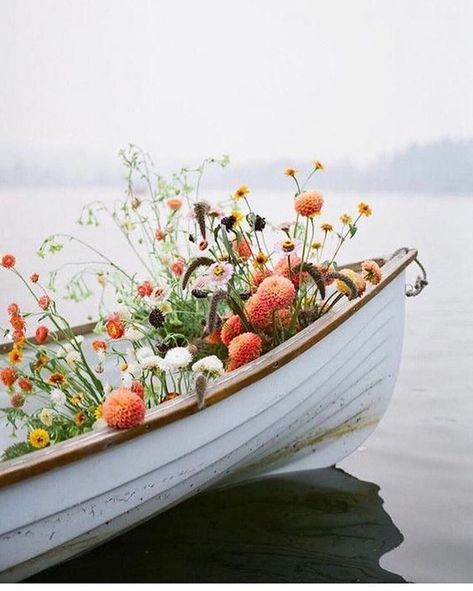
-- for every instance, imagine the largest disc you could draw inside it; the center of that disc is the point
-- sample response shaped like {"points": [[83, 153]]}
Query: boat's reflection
{"points": [[321, 525]]}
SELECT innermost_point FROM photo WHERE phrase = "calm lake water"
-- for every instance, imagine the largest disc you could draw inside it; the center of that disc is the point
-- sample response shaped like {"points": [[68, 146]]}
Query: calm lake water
{"points": [[399, 509]]}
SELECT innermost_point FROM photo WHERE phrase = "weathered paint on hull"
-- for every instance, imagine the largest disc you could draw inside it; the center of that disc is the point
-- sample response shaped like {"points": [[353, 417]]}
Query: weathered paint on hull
{"points": [[311, 413]]}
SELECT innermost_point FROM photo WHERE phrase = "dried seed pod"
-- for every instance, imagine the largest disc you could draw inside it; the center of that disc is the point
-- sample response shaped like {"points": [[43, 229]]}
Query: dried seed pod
{"points": [[195, 264]]}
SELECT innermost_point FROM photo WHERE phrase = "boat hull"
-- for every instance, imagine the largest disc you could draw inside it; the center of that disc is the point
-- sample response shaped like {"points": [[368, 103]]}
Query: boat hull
{"points": [[311, 413]]}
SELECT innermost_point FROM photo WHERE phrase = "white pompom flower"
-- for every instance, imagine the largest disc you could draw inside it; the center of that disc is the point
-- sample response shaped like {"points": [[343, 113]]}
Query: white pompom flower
{"points": [[210, 366], [176, 359]]}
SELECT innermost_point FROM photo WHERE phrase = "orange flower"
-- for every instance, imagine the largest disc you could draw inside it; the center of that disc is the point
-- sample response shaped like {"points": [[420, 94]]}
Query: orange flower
{"points": [[34, 278], [99, 345], [13, 309], [364, 209], [318, 165], [276, 292], [57, 379], [285, 268], [244, 348], [80, 418], [309, 203], [291, 172], [242, 247], [260, 259], [77, 398], [8, 376], [40, 362], [25, 384], [326, 227], [241, 192], [213, 338], [174, 203], [258, 276], [8, 261], [115, 327], [123, 409], [258, 313], [41, 334], [372, 272], [18, 322], [137, 388], [44, 302], [231, 329], [160, 234]]}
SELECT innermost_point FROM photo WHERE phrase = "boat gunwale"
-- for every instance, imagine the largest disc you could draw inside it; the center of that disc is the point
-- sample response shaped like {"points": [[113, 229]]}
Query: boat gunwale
{"points": [[66, 452]]}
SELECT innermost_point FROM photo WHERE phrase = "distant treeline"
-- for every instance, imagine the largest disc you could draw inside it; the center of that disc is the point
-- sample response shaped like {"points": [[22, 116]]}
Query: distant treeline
{"points": [[444, 167]]}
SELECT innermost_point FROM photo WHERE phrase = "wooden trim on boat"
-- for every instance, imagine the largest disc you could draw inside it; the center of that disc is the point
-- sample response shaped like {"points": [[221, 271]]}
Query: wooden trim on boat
{"points": [[90, 443]]}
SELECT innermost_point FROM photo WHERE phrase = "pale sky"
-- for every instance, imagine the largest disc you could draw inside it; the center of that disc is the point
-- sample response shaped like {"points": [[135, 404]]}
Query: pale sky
{"points": [[256, 79]]}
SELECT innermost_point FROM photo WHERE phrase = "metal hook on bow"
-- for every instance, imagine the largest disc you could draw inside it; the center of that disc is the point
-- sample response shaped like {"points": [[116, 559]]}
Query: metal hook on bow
{"points": [[421, 281]]}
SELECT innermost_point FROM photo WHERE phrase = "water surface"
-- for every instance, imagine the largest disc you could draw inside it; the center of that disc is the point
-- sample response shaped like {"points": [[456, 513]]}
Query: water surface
{"points": [[331, 525]]}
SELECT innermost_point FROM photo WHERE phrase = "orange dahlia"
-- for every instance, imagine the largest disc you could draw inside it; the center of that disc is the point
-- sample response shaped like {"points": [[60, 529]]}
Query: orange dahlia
{"points": [[276, 292], [285, 268], [123, 409], [258, 312], [231, 329], [309, 203], [244, 348], [258, 276]]}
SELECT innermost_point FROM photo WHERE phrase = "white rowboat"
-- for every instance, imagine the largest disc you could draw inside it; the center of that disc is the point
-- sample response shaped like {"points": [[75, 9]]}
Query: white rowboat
{"points": [[308, 403]]}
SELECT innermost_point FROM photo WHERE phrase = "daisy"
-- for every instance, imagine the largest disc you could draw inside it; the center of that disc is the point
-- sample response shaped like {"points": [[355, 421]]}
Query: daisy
{"points": [[219, 274], [288, 246]]}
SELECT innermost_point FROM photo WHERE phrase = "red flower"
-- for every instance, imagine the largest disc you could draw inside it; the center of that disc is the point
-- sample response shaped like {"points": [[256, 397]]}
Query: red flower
{"points": [[138, 388], [99, 345], [44, 302], [34, 278], [8, 261], [41, 334], [13, 309], [244, 348], [177, 268], [115, 327], [25, 384], [231, 329], [160, 234], [242, 247], [18, 322], [123, 409], [17, 400], [145, 289], [8, 376]]}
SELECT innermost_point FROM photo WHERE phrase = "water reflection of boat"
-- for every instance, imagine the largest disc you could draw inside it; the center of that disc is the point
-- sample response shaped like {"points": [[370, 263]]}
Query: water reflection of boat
{"points": [[320, 525]]}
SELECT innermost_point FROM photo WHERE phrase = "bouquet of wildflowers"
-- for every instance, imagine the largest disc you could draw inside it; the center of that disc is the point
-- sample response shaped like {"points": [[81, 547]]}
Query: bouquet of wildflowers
{"points": [[220, 286]]}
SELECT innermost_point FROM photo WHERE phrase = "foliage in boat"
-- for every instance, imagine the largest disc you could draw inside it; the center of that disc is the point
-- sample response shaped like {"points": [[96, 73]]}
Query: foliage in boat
{"points": [[220, 286]]}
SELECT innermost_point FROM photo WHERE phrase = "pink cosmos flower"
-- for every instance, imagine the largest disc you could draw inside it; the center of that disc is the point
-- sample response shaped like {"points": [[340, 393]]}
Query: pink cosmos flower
{"points": [[219, 274], [288, 247]]}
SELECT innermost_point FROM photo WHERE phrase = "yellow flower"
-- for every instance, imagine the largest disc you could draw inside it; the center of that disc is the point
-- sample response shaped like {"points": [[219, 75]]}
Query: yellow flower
{"points": [[40, 362], [123, 366], [98, 412], [77, 398], [39, 438], [260, 259], [238, 215], [291, 171], [15, 356], [364, 209], [318, 165], [326, 227], [346, 219], [241, 192], [316, 245]]}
